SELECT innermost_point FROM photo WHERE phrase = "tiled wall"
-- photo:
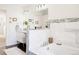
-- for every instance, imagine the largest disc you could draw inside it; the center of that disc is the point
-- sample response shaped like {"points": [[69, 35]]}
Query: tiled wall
{"points": [[66, 31], [64, 20]]}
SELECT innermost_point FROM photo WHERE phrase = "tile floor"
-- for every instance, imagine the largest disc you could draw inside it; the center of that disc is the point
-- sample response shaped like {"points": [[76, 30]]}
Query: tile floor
{"points": [[2, 52], [14, 51]]}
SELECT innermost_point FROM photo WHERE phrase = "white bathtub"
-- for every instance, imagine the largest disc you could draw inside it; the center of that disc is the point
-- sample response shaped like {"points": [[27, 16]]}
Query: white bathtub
{"points": [[54, 49], [60, 32]]}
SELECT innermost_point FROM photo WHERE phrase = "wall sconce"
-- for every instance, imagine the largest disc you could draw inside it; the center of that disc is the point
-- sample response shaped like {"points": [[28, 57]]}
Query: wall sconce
{"points": [[14, 19], [11, 19]]}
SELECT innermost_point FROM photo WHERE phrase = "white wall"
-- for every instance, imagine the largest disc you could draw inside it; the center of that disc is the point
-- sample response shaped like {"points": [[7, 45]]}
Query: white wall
{"points": [[56, 11], [13, 11]]}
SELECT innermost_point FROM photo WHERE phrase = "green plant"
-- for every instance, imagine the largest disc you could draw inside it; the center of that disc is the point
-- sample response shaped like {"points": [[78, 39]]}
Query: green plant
{"points": [[25, 23]]}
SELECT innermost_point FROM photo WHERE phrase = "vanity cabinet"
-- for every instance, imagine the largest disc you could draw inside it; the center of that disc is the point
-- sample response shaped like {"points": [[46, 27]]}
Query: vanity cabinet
{"points": [[37, 38]]}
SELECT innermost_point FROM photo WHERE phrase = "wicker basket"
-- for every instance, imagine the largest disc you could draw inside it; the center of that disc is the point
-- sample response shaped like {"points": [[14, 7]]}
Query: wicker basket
{"points": [[50, 40]]}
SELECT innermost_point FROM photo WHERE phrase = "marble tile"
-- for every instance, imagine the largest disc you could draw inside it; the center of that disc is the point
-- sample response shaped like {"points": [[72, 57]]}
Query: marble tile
{"points": [[2, 52], [31, 53], [64, 20], [14, 51]]}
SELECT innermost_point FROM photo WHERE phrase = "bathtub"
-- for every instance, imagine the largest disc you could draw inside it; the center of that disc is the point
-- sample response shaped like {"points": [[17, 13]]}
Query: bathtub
{"points": [[61, 32], [54, 49]]}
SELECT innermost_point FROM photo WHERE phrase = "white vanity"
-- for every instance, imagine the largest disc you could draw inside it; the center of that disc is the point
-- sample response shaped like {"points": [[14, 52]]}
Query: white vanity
{"points": [[37, 38]]}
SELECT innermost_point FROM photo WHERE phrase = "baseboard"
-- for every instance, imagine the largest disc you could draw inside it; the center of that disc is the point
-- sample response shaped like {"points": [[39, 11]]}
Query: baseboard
{"points": [[11, 46]]}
